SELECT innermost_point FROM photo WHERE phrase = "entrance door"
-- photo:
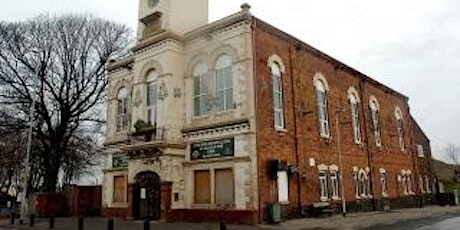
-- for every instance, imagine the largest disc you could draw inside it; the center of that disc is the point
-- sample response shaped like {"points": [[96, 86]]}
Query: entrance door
{"points": [[148, 195]]}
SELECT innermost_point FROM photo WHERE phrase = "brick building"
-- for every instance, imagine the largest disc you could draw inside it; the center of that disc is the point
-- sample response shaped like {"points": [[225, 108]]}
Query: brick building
{"points": [[212, 121]]}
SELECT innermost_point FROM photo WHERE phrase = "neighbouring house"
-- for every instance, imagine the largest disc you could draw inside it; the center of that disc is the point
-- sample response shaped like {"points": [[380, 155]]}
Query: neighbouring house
{"points": [[219, 121]]}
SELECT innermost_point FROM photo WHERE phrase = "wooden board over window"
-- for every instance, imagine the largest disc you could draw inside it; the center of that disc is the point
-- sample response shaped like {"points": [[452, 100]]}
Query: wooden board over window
{"points": [[224, 187], [202, 187], [119, 189]]}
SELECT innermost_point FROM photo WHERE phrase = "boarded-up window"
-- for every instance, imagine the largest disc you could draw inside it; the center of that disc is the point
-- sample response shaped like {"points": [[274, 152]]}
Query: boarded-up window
{"points": [[224, 190], [119, 189], [202, 187]]}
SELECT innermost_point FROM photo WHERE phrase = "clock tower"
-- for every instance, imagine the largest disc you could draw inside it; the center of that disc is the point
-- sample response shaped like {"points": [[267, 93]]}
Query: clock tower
{"points": [[179, 16]]}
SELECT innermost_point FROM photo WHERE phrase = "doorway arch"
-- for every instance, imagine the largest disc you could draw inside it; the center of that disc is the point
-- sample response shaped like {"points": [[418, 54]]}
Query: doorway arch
{"points": [[147, 195]]}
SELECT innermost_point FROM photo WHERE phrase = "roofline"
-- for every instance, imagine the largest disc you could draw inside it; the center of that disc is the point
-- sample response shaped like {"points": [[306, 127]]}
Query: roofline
{"points": [[419, 128], [299, 44]]}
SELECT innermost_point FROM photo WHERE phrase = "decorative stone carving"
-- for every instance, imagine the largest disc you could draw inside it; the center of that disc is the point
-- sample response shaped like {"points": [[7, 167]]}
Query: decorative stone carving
{"points": [[137, 99], [177, 93], [162, 91]]}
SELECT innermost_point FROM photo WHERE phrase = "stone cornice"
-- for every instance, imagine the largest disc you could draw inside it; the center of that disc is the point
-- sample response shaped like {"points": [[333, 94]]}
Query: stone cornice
{"points": [[219, 25], [156, 38], [216, 128], [122, 63]]}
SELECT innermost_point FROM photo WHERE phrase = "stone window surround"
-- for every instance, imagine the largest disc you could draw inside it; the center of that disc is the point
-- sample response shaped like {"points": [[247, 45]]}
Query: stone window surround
{"points": [[322, 87], [356, 123]]}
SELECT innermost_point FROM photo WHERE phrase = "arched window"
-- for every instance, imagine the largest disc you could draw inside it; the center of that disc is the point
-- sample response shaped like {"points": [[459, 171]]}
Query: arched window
{"points": [[374, 112], [122, 110], [362, 178], [277, 95], [383, 182], [200, 89], [354, 106], [152, 96], [224, 83], [400, 128], [322, 108]]}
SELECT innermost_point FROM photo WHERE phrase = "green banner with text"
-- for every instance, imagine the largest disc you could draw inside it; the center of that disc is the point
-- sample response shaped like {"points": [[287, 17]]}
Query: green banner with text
{"points": [[213, 149]]}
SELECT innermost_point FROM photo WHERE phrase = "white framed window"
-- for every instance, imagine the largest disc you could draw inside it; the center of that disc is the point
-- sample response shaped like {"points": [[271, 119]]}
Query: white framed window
{"points": [[200, 90], [363, 184], [427, 184], [374, 111], [420, 151], [224, 83], [152, 97], [406, 182], [421, 184], [122, 110], [283, 187], [383, 182], [357, 184], [277, 95], [354, 106], [409, 184], [404, 185], [400, 128], [334, 182], [324, 191], [323, 117]]}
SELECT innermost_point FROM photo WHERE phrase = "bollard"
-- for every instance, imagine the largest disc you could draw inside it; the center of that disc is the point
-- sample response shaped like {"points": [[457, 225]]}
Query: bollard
{"points": [[12, 218], [80, 223], [147, 225], [223, 226], [32, 220], [51, 222], [110, 224]]}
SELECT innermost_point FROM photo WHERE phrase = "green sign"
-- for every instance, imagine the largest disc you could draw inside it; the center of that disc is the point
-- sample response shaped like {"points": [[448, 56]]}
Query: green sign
{"points": [[120, 160], [213, 149]]}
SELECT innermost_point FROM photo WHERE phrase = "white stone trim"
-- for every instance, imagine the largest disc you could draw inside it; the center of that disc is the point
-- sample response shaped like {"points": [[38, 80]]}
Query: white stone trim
{"points": [[275, 59], [320, 77]]}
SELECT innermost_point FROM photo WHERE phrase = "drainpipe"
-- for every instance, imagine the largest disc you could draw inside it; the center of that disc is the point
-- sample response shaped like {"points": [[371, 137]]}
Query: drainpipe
{"points": [[256, 106], [366, 128], [296, 139]]}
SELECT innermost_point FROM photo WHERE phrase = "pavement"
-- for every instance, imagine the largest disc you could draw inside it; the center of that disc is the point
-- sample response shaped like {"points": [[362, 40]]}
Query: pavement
{"points": [[367, 220], [370, 220]]}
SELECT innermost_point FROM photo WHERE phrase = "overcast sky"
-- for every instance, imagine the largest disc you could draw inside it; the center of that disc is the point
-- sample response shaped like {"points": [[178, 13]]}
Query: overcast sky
{"points": [[413, 46]]}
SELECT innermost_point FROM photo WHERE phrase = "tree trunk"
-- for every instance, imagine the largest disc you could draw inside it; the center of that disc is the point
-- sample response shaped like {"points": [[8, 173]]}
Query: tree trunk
{"points": [[50, 177]]}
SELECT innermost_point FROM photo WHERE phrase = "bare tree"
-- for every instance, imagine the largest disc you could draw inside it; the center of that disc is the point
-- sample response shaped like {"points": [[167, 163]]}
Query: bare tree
{"points": [[60, 62], [453, 152]]}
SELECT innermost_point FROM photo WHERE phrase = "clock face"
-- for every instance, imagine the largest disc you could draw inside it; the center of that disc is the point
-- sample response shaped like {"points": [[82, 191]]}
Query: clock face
{"points": [[153, 3]]}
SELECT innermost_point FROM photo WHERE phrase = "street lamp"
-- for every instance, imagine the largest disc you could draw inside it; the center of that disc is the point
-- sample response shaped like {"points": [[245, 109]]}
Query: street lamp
{"points": [[25, 182]]}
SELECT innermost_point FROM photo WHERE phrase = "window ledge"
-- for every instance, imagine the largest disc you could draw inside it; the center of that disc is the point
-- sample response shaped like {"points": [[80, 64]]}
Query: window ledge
{"points": [[119, 205], [281, 129], [283, 202], [225, 112], [201, 117]]}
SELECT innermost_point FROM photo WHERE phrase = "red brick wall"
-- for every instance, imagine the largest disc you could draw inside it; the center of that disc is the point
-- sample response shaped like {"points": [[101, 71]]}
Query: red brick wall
{"points": [[302, 139], [423, 164]]}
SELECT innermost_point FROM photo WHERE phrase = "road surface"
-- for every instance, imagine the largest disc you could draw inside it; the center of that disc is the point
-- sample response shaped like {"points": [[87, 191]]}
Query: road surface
{"points": [[444, 222]]}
